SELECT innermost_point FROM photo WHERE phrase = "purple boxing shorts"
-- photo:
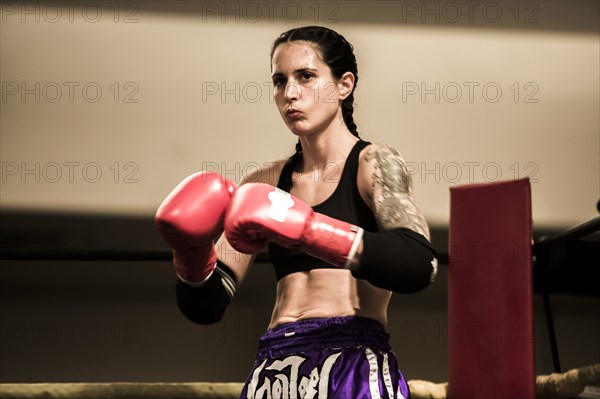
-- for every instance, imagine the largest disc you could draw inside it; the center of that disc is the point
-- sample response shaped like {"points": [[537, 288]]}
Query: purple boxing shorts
{"points": [[337, 358]]}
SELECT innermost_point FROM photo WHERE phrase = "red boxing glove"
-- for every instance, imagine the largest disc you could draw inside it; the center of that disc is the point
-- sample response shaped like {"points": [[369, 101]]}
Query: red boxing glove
{"points": [[260, 212], [190, 218]]}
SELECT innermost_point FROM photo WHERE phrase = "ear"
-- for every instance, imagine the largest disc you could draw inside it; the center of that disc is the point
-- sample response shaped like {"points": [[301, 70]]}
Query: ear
{"points": [[346, 85]]}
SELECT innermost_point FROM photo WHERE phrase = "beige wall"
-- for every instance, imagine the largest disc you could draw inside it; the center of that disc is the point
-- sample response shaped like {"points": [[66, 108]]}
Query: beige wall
{"points": [[164, 123]]}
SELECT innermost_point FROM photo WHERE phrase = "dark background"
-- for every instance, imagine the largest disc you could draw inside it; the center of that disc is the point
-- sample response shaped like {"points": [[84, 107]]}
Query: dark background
{"points": [[100, 321]]}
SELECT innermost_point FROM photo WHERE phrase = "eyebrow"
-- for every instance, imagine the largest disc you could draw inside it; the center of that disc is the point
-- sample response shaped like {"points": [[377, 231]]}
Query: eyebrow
{"points": [[296, 72]]}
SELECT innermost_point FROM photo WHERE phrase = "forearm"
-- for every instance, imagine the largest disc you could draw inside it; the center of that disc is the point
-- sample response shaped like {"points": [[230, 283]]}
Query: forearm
{"points": [[205, 303], [399, 260]]}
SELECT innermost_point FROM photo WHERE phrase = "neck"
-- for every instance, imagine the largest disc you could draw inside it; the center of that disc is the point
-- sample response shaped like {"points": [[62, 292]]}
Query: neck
{"points": [[330, 146]]}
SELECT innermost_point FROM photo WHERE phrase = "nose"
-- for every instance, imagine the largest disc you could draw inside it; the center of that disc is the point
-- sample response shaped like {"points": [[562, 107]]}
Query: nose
{"points": [[292, 91]]}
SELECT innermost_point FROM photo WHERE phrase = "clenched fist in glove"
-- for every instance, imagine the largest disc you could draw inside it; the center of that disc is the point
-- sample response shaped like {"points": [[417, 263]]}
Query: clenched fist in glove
{"points": [[190, 218], [260, 212]]}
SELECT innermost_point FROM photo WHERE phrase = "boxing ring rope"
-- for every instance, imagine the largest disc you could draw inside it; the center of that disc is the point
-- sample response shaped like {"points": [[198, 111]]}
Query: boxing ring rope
{"points": [[553, 386], [573, 233]]}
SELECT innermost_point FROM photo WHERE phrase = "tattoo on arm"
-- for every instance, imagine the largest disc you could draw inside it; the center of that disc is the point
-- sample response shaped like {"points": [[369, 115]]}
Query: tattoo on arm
{"points": [[393, 201]]}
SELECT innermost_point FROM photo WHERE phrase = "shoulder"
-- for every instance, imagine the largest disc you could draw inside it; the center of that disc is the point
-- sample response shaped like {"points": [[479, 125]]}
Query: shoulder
{"points": [[268, 173], [376, 161], [376, 153]]}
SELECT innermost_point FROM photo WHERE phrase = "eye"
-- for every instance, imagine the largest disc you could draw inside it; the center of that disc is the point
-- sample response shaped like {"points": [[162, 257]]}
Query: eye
{"points": [[278, 82], [307, 76]]}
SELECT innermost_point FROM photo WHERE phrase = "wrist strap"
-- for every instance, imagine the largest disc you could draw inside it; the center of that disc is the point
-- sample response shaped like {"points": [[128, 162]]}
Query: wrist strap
{"points": [[357, 240]]}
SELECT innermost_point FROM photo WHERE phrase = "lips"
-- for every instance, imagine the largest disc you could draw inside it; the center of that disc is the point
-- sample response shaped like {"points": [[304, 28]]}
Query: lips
{"points": [[293, 113]]}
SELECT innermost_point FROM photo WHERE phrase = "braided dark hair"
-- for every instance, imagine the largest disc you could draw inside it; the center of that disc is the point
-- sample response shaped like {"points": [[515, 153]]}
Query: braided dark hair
{"points": [[337, 53]]}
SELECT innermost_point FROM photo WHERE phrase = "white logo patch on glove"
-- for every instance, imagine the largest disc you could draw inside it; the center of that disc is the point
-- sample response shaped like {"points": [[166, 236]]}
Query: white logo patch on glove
{"points": [[281, 201]]}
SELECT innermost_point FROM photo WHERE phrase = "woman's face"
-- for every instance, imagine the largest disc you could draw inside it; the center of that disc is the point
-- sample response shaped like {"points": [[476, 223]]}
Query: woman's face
{"points": [[306, 94]]}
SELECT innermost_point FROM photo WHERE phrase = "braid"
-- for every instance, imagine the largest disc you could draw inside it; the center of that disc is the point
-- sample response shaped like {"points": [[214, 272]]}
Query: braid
{"points": [[298, 146], [347, 111], [296, 156]]}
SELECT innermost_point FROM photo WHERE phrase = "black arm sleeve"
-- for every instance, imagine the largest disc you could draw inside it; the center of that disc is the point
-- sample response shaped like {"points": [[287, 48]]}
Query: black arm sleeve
{"points": [[398, 260], [206, 304]]}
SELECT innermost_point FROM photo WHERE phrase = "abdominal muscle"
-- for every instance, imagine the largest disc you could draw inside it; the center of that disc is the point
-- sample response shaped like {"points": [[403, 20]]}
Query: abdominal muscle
{"points": [[327, 293]]}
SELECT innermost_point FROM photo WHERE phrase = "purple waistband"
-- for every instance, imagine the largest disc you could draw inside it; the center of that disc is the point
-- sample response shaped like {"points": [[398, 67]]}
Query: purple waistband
{"points": [[322, 334]]}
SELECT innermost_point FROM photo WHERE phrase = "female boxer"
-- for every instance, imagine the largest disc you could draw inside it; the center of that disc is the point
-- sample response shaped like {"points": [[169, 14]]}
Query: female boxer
{"points": [[342, 228]]}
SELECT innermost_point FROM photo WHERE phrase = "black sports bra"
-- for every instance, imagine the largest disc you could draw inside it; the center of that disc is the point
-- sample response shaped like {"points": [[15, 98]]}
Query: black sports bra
{"points": [[344, 204]]}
